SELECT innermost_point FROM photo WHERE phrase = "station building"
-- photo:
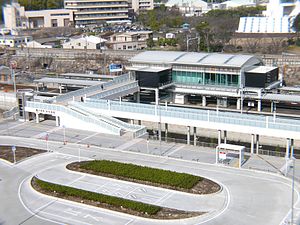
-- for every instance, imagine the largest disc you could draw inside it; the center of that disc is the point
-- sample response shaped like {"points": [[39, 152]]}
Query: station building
{"points": [[186, 74]]}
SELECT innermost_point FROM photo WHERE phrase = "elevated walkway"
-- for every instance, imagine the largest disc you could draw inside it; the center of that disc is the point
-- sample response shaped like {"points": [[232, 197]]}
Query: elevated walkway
{"points": [[120, 86], [72, 118], [135, 130], [209, 119]]}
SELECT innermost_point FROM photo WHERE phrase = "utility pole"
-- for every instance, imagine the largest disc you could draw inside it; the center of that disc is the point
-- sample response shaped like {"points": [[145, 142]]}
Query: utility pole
{"points": [[188, 39]]}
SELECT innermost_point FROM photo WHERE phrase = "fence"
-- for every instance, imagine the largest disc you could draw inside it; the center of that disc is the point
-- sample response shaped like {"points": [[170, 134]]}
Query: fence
{"points": [[7, 100], [87, 119], [214, 145]]}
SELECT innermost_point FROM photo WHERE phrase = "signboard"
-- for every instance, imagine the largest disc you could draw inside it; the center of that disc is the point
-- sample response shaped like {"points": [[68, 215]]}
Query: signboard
{"points": [[115, 68], [13, 148], [47, 137], [222, 155]]}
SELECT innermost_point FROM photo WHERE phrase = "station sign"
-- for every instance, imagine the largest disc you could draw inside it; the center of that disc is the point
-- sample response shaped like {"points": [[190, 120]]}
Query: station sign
{"points": [[115, 68], [222, 155]]}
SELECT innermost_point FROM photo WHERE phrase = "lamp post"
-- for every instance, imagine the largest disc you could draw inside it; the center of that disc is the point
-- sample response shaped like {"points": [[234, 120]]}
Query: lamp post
{"points": [[188, 39], [293, 186]]}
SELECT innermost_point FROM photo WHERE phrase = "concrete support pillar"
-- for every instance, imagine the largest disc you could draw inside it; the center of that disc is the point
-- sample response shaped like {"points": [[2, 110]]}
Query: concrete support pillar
{"points": [[37, 87], [60, 89], [195, 136], [203, 100], [132, 122], [57, 121], [166, 131], [288, 146], [219, 137], [159, 131], [225, 136], [138, 97], [252, 143], [272, 106], [37, 118], [259, 105], [156, 96], [292, 148], [238, 103], [188, 133], [257, 143]]}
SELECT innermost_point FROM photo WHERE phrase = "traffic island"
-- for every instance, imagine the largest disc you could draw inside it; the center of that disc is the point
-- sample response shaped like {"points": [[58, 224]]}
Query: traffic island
{"points": [[146, 175], [21, 153], [109, 202]]}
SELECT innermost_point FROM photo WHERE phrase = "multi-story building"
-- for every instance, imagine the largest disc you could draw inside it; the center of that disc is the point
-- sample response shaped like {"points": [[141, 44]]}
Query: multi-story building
{"points": [[129, 40], [92, 12], [14, 41], [142, 5], [278, 18], [15, 17]]}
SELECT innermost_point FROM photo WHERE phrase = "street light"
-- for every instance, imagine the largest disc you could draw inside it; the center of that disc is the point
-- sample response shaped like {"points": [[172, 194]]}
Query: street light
{"points": [[293, 186], [190, 39]]}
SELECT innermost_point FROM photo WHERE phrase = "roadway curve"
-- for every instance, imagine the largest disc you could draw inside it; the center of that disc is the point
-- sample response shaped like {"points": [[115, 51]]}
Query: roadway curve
{"points": [[252, 197]]}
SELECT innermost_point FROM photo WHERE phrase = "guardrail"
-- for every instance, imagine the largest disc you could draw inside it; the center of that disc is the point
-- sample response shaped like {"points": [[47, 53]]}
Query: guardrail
{"points": [[114, 91], [86, 91], [11, 112], [137, 130], [232, 118], [53, 107]]}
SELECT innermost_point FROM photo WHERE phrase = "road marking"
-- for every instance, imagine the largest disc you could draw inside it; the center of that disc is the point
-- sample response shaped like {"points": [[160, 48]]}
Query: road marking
{"points": [[93, 217], [129, 144], [175, 150], [77, 179], [10, 128], [92, 135], [43, 134], [72, 212]]}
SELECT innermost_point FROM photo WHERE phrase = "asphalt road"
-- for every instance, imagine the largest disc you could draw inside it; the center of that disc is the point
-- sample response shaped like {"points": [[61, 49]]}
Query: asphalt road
{"points": [[252, 197]]}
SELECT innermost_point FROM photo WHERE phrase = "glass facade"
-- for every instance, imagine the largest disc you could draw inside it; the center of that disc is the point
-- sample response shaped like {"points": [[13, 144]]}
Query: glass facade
{"points": [[204, 78]]}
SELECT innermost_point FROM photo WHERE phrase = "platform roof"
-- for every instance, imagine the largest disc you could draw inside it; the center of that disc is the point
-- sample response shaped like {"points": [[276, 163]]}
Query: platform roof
{"points": [[260, 69], [204, 59], [68, 81], [86, 75], [231, 147]]}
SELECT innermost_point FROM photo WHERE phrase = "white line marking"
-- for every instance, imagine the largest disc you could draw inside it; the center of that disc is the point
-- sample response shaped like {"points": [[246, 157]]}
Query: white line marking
{"points": [[175, 150], [92, 135]]}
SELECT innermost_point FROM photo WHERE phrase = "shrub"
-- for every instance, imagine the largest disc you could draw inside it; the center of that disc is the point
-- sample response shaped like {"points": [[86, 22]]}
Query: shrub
{"points": [[88, 195], [165, 177]]}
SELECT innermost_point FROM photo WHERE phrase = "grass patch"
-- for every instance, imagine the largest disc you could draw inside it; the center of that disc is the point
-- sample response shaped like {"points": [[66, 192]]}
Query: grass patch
{"points": [[131, 171], [92, 196]]}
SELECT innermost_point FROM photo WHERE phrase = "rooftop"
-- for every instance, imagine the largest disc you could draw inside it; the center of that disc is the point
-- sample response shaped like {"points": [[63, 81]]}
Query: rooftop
{"points": [[68, 81], [194, 58]]}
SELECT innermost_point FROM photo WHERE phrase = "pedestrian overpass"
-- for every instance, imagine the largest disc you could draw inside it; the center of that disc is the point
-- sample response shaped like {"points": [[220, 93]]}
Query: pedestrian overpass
{"points": [[254, 125], [120, 86]]}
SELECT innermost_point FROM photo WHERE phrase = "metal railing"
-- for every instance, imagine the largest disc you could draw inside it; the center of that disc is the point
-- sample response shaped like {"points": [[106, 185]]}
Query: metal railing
{"points": [[11, 112], [116, 91], [232, 118], [95, 88], [80, 116], [137, 130]]}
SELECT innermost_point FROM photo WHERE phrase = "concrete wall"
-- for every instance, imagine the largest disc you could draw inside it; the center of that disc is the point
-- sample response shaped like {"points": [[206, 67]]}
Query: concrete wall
{"points": [[7, 100]]}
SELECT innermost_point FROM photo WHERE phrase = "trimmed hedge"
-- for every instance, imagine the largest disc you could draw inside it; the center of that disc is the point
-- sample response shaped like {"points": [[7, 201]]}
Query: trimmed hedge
{"points": [[88, 195], [165, 177]]}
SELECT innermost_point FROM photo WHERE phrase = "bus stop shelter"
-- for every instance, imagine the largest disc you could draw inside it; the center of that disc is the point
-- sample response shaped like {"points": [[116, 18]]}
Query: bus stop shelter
{"points": [[223, 149]]}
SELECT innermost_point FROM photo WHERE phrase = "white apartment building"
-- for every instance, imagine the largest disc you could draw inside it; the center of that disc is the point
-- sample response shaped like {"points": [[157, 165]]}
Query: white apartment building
{"points": [[278, 18], [87, 42], [14, 41], [94, 12], [15, 17], [142, 5]]}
